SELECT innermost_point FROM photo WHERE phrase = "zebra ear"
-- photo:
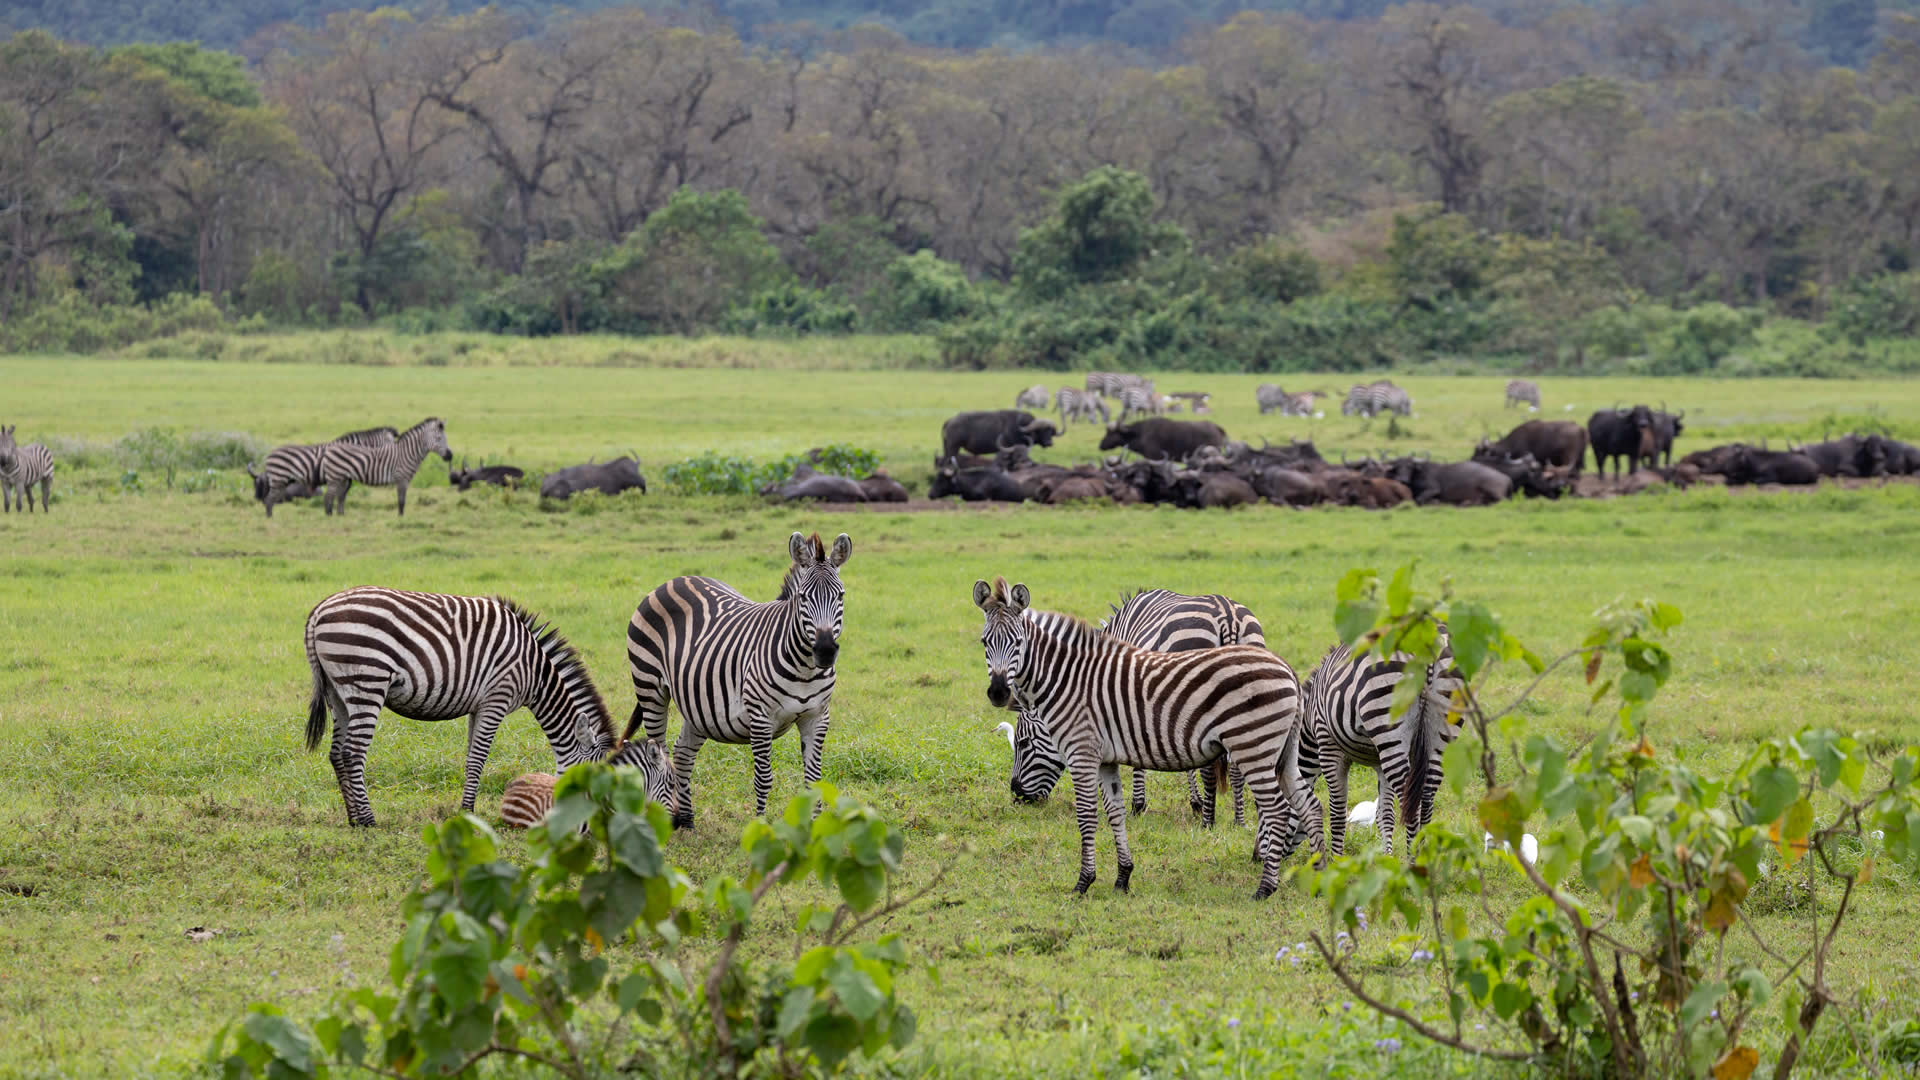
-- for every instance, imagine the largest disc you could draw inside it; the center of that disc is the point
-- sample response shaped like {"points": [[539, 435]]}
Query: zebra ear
{"points": [[842, 550], [982, 592], [800, 549], [1021, 598]]}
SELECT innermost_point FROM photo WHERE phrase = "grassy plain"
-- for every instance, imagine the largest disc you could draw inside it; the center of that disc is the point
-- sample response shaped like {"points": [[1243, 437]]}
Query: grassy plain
{"points": [[152, 690]]}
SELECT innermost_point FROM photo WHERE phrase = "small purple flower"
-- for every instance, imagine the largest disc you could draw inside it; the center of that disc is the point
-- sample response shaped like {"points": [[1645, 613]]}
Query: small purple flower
{"points": [[1282, 954], [1233, 1021], [1302, 947], [1390, 1046], [1634, 996], [1479, 1027], [1346, 1006], [1420, 956], [1716, 1014]]}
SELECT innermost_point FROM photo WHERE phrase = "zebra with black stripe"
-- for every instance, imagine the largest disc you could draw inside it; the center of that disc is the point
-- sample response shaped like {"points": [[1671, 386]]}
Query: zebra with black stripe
{"points": [[743, 672], [21, 467], [392, 465], [1083, 405], [1349, 720], [1107, 704], [293, 471], [1138, 400], [1374, 398], [430, 656], [1523, 392], [1158, 620]]}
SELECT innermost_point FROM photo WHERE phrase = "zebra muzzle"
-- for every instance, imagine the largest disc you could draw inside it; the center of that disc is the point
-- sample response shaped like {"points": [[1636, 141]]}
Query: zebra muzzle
{"points": [[999, 691], [825, 650]]}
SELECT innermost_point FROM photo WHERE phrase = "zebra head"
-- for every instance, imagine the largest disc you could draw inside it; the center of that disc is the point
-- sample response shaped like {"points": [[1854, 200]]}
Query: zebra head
{"points": [[437, 438], [813, 586], [7, 449], [1037, 763], [1004, 637], [656, 768]]}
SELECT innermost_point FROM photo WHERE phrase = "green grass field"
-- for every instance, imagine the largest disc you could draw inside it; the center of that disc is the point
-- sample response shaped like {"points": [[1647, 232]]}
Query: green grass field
{"points": [[153, 688]]}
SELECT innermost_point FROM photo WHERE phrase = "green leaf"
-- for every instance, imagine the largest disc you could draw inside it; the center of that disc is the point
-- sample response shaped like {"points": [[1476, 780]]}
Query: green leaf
{"points": [[795, 1007], [807, 970], [1701, 1002], [856, 990], [632, 990], [832, 1037], [1352, 619], [1461, 763], [1509, 999], [1638, 686], [1664, 616], [291, 1046], [1638, 829], [1475, 633], [568, 815], [634, 844], [1400, 590], [1775, 787], [900, 1032], [860, 885]]}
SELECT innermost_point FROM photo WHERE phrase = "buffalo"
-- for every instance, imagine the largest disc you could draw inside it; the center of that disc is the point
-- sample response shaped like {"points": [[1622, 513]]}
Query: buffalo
{"points": [[1559, 443], [609, 478], [1290, 487], [883, 488], [1160, 438], [1630, 434], [1666, 428], [1850, 456], [808, 484], [1903, 459], [1749, 466], [975, 485], [498, 475], [990, 432], [1459, 483], [1529, 477]]}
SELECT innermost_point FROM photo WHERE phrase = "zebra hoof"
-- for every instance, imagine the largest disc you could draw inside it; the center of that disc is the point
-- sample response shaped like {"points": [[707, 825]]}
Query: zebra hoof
{"points": [[360, 823], [1140, 807], [1120, 883], [683, 821], [1263, 892], [1081, 888]]}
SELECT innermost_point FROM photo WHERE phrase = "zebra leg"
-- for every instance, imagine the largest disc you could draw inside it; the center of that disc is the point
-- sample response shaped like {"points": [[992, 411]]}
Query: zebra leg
{"points": [[1117, 820], [1337, 803], [401, 489], [353, 725], [274, 491], [684, 748], [1239, 781], [813, 742], [482, 726], [1265, 784], [46, 494], [762, 743], [1193, 790], [1139, 791], [1209, 798], [1386, 811], [1086, 798]]}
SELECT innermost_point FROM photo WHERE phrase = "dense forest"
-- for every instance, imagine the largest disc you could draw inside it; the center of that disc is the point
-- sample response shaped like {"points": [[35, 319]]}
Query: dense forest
{"points": [[1277, 190]]}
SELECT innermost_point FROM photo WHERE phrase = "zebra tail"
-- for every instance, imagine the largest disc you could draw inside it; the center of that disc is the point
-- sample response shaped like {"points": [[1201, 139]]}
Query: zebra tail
{"points": [[1415, 791], [1217, 775], [317, 710]]}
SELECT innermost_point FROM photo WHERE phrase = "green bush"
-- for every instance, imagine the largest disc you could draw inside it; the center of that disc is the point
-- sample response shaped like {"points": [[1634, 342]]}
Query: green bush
{"points": [[1700, 338], [1885, 305], [69, 322], [692, 261], [1269, 270], [922, 290], [793, 308], [713, 473]]}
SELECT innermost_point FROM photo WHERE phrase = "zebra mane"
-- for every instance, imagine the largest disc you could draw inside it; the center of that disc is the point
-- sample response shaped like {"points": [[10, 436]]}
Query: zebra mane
{"points": [[573, 673], [1060, 624], [418, 426], [819, 556]]}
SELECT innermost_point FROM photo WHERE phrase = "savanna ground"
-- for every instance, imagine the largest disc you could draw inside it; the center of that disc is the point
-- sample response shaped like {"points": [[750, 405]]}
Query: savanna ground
{"points": [[153, 687]]}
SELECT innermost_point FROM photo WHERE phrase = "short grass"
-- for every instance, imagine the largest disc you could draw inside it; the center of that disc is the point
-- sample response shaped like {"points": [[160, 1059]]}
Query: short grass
{"points": [[152, 690]]}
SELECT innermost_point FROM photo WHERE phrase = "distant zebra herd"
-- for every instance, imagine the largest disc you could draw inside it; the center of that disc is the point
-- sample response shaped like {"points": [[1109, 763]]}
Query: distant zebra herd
{"points": [[1135, 394], [381, 457]]}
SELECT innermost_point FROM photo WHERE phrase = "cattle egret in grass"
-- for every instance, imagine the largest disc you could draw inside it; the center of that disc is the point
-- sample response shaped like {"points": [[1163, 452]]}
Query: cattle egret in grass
{"points": [[1008, 728], [1529, 847], [1566, 408], [1361, 814], [1320, 414]]}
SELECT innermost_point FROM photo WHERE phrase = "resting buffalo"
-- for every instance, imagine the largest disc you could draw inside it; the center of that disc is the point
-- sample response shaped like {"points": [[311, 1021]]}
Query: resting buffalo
{"points": [[498, 475], [1289, 486], [1630, 434], [609, 478], [1349, 487], [1850, 456], [1160, 438], [1551, 442], [1529, 477], [883, 488], [1713, 461], [975, 485], [1903, 459], [990, 432], [808, 484], [1459, 483], [1749, 466]]}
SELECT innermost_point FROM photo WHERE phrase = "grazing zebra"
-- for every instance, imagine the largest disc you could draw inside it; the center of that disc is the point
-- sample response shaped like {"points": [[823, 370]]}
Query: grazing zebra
{"points": [[1108, 704], [1349, 719], [391, 465], [1375, 398], [21, 467], [743, 672], [429, 656], [529, 797], [294, 471], [1033, 397], [1271, 397], [1080, 405], [1138, 399], [1523, 392], [1160, 621]]}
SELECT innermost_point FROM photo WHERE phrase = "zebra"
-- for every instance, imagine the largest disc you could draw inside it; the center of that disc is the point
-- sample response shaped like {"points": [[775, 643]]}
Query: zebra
{"points": [[1372, 399], [1083, 405], [1158, 620], [1349, 719], [21, 467], [429, 656], [529, 796], [1109, 704], [1523, 392], [1138, 399], [744, 672], [1271, 397], [1033, 397], [294, 471], [393, 464]]}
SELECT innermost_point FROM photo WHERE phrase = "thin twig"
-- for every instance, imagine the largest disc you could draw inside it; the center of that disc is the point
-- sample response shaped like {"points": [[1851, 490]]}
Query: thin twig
{"points": [[723, 1034], [1357, 990]]}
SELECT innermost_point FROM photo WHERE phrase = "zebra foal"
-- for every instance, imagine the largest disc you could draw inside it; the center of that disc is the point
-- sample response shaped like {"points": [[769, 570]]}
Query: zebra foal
{"points": [[1157, 620], [293, 471], [392, 465], [429, 656], [1109, 704], [529, 797], [21, 467], [1350, 719], [743, 672]]}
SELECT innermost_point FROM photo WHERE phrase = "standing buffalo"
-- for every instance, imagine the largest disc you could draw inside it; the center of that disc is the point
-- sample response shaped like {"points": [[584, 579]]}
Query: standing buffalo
{"points": [[1158, 437], [1632, 434], [1553, 443], [990, 432], [610, 478]]}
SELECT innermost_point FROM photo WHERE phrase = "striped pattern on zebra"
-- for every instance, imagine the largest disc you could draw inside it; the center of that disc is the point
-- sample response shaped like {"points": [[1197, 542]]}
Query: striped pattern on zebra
{"points": [[1270, 398], [743, 672], [21, 467], [1374, 398], [1523, 392], [1349, 719], [1158, 620], [1113, 384], [529, 796], [430, 656], [392, 465], [1033, 397], [293, 472], [1137, 401], [1109, 704], [1082, 405]]}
